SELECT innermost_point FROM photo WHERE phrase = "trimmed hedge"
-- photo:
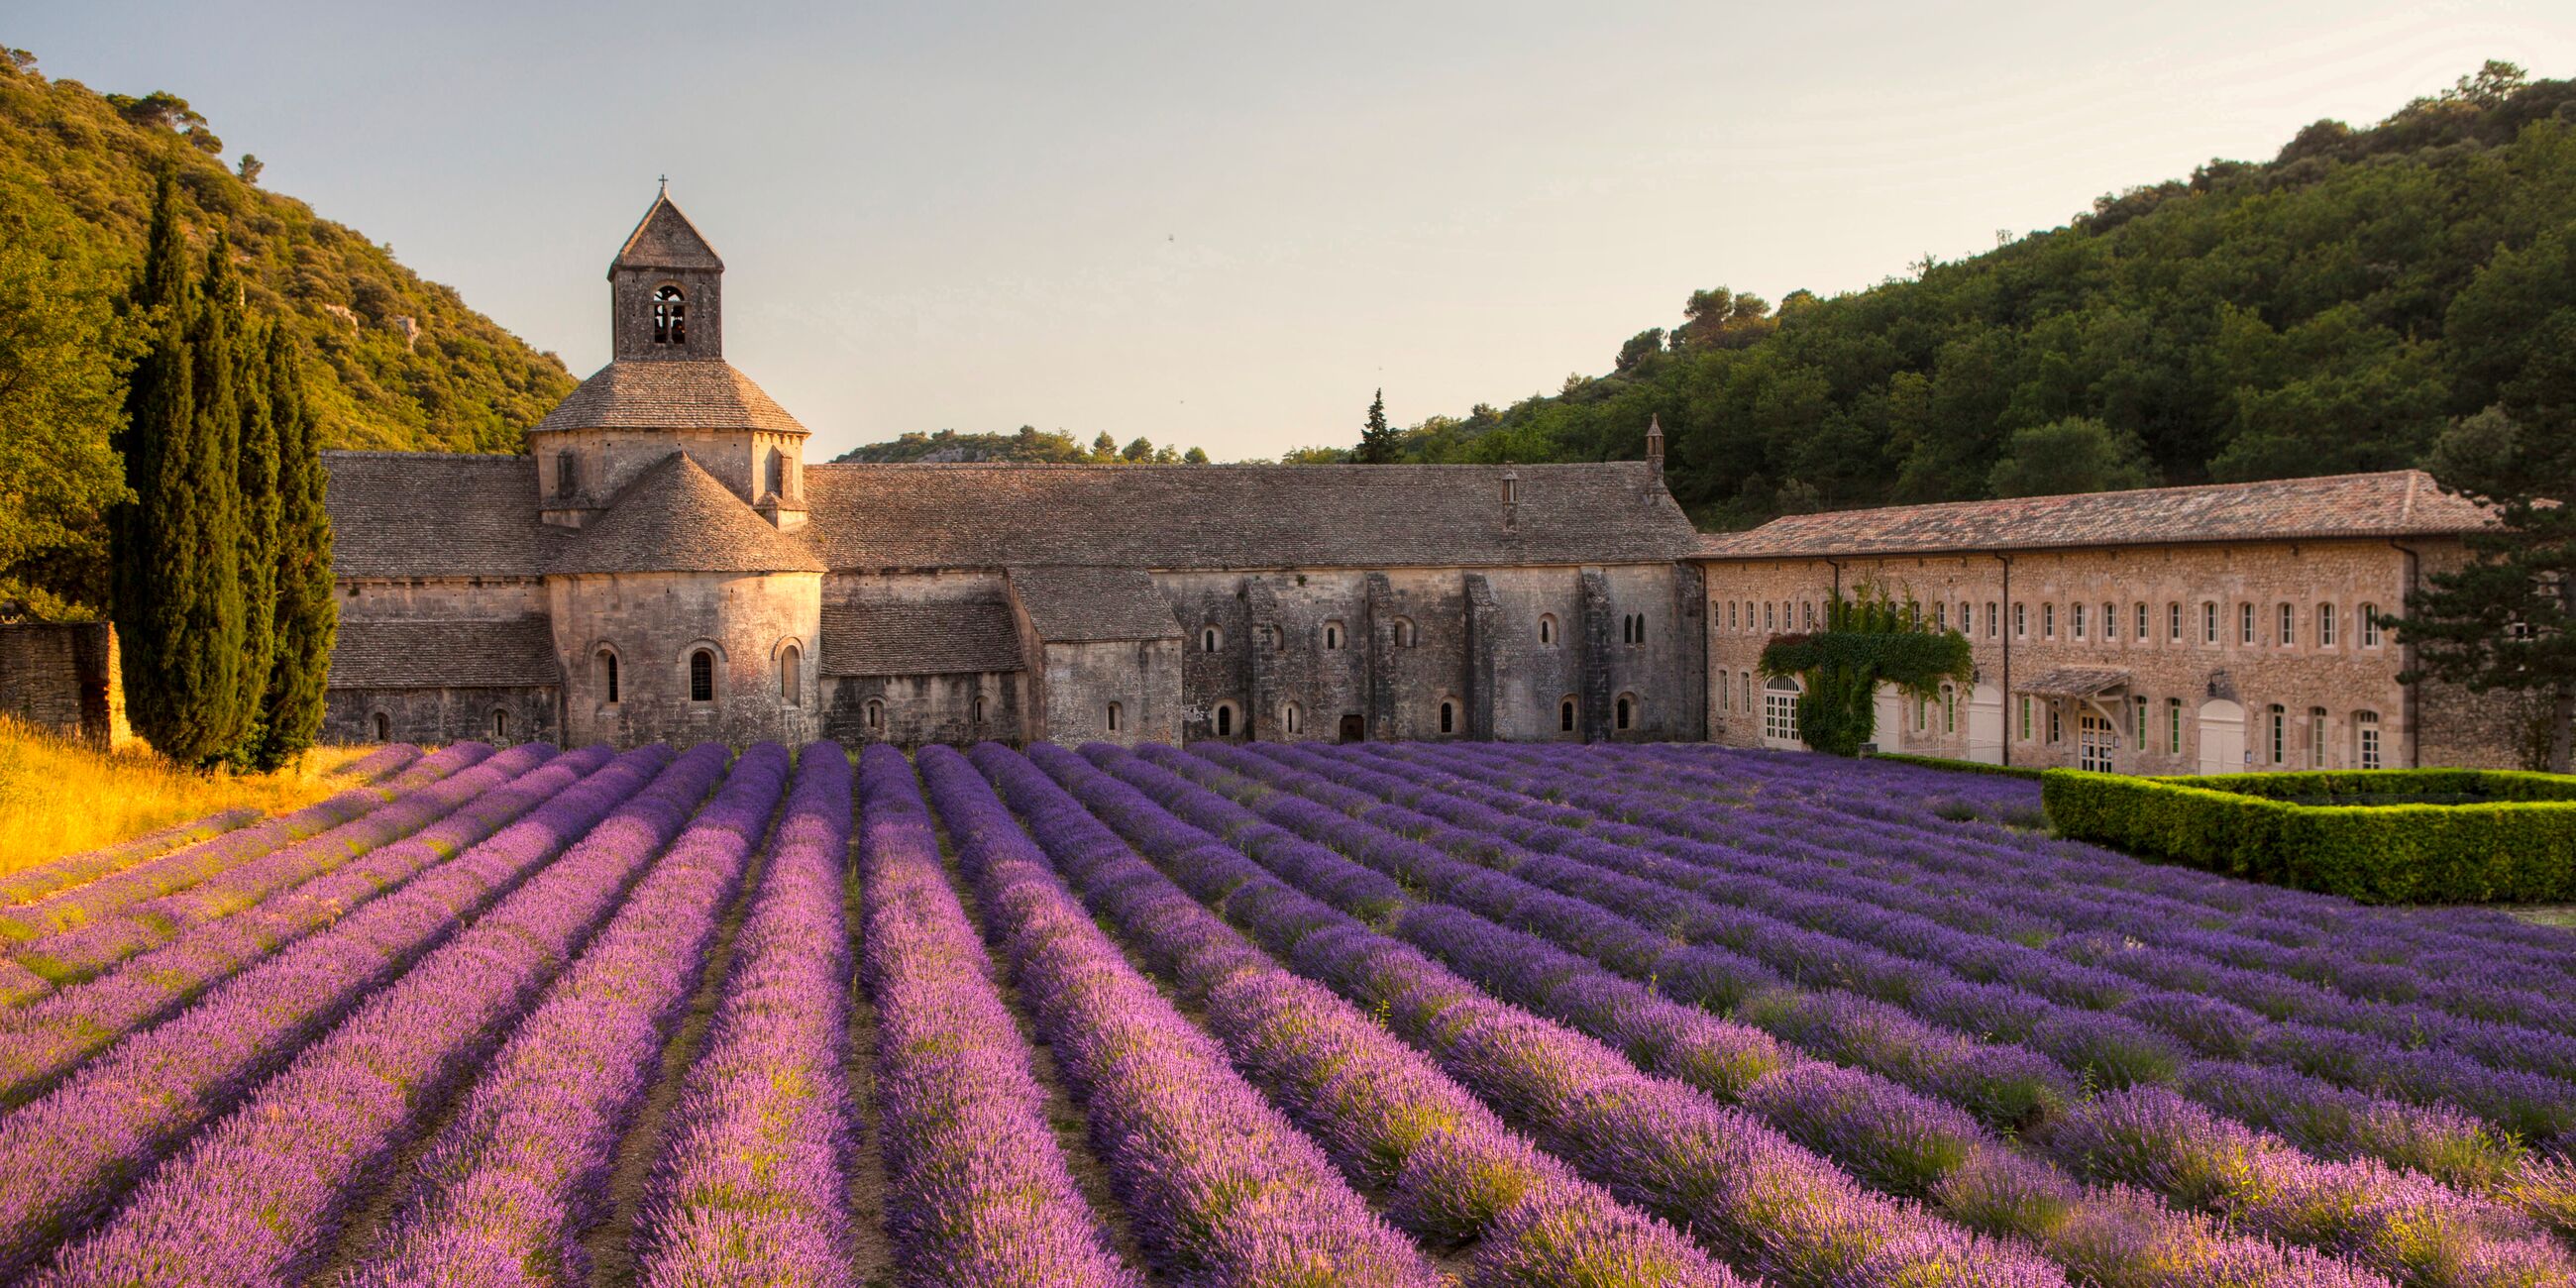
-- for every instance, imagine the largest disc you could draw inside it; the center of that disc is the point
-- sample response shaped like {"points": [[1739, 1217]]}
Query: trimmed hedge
{"points": [[1963, 766], [2521, 850]]}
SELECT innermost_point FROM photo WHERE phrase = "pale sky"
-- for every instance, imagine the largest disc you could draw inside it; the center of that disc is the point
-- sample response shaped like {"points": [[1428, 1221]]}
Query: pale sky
{"points": [[1225, 225]]}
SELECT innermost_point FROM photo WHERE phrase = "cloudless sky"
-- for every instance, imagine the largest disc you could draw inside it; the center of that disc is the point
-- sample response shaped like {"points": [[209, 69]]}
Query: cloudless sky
{"points": [[1225, 224]]}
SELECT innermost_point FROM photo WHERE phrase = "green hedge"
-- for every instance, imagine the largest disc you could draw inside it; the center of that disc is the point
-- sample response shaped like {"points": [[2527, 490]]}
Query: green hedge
{"points": [[2520, 850], [1963, 766], [2494, 784]]}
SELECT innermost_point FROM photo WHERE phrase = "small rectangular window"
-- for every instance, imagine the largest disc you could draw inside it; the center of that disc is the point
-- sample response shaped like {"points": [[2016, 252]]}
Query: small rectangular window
{"points": [[2208, 623], [2173, 726], [2173, 622], [1993, 629], [2142, 623], [2245, 625], [2025, 718], [2021, 621], [2370, 626], [2289, 626], [2326, 626], [2075, 615], [2048, 621]]}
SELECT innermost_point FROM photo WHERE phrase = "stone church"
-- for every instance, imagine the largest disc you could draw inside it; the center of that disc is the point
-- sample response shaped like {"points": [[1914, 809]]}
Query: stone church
{"points": [[663, 564]]}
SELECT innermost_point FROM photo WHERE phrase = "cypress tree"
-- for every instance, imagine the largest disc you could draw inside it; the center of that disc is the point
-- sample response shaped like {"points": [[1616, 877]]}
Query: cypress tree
{"points": [[1377, 439], [308, 618], [159, 547], [203, 664], [256, 487]]}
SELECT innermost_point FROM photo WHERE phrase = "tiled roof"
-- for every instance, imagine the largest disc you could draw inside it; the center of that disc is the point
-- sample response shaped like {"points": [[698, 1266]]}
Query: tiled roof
{"points": [[664, 238], [2396, 503], [514, 653], [1238, 516], [889, 636], [669, 393], [1075, 605], [434, 514], [675, 517], [2074, 682]]}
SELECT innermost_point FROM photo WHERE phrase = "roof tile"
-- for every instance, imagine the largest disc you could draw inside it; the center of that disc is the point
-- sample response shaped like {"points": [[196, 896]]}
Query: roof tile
{"points": [[1079, 605]]}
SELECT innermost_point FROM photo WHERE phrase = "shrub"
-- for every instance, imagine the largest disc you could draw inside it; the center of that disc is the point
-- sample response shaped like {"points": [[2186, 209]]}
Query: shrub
{"points": [[2516, 844]]}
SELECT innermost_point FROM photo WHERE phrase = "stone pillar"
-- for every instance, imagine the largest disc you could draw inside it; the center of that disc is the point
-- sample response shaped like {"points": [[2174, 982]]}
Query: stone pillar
{"points": [[1595, 595], [1378, 619], [1483, 616]]}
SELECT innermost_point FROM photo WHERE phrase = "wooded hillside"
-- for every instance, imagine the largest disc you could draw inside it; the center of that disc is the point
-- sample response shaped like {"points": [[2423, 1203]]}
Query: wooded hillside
{"points": [[2328, 310]]}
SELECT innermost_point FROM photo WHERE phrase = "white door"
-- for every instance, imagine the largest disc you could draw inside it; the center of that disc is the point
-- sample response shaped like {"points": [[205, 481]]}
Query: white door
{"points": [[1986, 725], [1887, 712], [2222, 737], [2095, 740]]}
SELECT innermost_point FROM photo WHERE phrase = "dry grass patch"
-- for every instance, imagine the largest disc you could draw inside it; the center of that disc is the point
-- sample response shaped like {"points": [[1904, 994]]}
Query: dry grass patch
{"points": [[59, 796]]}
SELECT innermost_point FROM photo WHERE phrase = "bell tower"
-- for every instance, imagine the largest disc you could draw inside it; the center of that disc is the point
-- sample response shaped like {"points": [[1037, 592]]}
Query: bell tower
{"points": [[666, 287]]}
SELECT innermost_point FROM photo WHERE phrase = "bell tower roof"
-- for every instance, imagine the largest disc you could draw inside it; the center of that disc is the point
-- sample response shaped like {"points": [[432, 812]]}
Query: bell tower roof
{"points": [[665, 239]]}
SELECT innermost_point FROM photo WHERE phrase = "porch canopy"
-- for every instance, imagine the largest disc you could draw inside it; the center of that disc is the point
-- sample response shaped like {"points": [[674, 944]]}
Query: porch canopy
{"points": [[2074, 682]]}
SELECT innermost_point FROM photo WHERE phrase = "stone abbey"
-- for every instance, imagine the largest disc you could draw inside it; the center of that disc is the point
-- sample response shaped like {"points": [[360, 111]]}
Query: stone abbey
{"points": [[662, 564]]}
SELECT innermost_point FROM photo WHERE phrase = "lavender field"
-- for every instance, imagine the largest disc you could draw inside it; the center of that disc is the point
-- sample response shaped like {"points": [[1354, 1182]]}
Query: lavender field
{"points": [[1256, 1014]]}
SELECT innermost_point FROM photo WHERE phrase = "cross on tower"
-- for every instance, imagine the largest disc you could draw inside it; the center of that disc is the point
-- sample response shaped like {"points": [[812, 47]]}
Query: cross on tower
{"points": [[666, 184]]}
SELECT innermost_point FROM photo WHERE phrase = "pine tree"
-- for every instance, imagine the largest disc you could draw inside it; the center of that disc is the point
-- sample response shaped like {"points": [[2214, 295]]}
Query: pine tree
{"points": [[2507, 619], [1377, 441], [307, 617], [256, 479]]}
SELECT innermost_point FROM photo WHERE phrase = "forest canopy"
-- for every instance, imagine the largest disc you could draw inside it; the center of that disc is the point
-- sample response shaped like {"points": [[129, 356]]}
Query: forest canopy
{"points": [[2328, 310]]}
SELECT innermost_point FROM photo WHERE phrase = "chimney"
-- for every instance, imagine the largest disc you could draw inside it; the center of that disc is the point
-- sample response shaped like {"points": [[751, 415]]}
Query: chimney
{"points": [[1655, 448], [1511, 497]]}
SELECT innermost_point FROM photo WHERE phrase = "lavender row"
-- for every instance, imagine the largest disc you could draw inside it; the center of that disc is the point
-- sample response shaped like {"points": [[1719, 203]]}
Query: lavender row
{"points": [[1222, 1188], [2288, 917], [2095, 1019], [79, 869], [1878, 1127], [2113, 1049], [1764, 1202], [100, 942], [2481, 1010], [180, 869], [1448, 1168], [521, 1167], [41, 1042], [752, 1172], [259, 1195], [383, 762], [978, 1188]]}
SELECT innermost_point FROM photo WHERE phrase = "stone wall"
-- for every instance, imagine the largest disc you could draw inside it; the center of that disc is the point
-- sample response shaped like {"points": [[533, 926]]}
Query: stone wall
{"points": [[2326, 693], [1080, 681], [63, 677], [914, 710], [653, 623], [439, 715]]}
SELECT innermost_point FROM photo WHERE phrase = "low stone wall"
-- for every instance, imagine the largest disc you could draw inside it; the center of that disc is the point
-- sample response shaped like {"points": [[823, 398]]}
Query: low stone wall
{"points": [[62, 677]]}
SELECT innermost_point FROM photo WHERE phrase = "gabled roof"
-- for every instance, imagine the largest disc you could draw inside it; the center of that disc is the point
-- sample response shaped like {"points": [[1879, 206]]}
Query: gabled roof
{"points": [[2395, 503], [888, 635], [994, 516], [435, 514], [517, 652], [1085, 605], [675, 517], [669, 394], [664, 238]]}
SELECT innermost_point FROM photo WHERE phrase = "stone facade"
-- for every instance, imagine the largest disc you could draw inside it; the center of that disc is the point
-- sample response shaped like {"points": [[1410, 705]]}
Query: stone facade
{"points": [[62, 677]]}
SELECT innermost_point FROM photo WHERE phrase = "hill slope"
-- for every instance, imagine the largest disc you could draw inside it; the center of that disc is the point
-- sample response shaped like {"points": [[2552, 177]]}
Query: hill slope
{"points": [[2324, 311], [391, 361]]}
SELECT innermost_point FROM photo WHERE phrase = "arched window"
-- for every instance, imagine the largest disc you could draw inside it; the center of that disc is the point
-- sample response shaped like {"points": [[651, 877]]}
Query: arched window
{"points": [[1565, 713], [2365, 739], [777, 472], [1292, 718], [2316, 737], [1211, 639], [567, 473], [876, 715], [2208, 621], [1224, 720], [608, 675], [1730, 614], [2280, 734], [2110, 622], [2021, 621], [1404, 636], [500, 724], [1448, 717], [2289, 626], [2245, 624], [2048, 620], [791, 676], [1332, 635], [1624, 712], [2370, 628], [2075, 619], [2143, 630], [1114, 713], [1547, 629], [2173, 622], [670, 316], [2326, 626], [384, 727], [702, 676], [1993, 619]]}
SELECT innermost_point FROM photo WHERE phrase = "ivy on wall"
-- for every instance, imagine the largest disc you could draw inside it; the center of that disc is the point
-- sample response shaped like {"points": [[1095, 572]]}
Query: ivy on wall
{"points": [[1868, 640]]}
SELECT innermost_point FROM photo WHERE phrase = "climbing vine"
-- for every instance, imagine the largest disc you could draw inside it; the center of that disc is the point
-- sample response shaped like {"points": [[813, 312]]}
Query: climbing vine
{"points": [[1868, 640]]}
